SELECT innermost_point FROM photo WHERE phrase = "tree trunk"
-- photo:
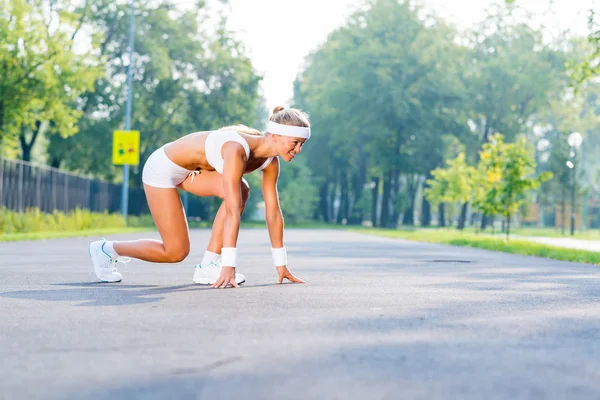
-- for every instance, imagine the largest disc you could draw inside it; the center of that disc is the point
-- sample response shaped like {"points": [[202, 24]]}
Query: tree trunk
{"points": [[323, 203], [27, 146], [360, 178], [1, 124], [563, 206], [463, 216], [375, 198], [441, 215], [484, 221], [395, 218], [342, 217], [409, 214], [332, 197], [507, 226], [55, 162], [25, 149], [425, 212], [474, 217], [385, 201]]}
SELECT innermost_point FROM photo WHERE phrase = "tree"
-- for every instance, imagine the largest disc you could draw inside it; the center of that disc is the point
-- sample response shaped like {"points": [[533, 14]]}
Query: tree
{"points": [[384, 114], [184, 80], [505, 175], [42, 76], [453, 184]]}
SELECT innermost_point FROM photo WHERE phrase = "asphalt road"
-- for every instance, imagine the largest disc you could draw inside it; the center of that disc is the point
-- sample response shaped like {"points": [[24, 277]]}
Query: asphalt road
{"points": [[377, 319]]}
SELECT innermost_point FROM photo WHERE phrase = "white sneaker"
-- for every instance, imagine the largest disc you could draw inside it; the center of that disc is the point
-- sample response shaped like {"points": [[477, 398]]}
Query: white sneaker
{"points": [[104, 265], [209, 274]]}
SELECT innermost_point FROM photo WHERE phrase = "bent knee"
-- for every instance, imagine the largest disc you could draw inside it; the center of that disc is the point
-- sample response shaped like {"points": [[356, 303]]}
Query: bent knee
{"points": [[245, 190], [177, 254]]}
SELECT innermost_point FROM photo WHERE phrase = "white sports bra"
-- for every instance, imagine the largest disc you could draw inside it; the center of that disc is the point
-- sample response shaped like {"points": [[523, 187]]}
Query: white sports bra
{"points": [[214, 143]]}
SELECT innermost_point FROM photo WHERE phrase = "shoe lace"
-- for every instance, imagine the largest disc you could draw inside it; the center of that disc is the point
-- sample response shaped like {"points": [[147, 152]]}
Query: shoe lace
{"points": [[120, 259], [211, 264]]}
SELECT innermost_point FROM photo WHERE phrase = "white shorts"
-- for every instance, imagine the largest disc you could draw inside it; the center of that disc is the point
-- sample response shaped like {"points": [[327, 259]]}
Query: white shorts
{"points": [[159, 171]]}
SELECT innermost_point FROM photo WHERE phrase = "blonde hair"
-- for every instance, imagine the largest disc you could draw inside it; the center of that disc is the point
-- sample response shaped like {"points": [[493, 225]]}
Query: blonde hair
{"points": [[242, 129], [290, 116]]}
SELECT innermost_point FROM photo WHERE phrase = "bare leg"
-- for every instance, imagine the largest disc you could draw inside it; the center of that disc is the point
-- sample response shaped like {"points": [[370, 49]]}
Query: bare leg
{"points": [[168, 214], [216, 238]]}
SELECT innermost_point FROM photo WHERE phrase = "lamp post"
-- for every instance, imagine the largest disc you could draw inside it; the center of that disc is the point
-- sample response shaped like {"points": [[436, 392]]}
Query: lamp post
{"points": [[574, 141], [125, 187]]}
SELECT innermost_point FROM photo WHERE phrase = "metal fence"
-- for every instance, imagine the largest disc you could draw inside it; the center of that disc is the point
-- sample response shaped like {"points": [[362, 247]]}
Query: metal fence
{"points": [[24, 185]]}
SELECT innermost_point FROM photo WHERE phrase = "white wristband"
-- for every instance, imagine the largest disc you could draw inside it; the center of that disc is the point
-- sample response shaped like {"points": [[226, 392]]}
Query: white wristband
{"points": [[229, 257], [279, 256]]}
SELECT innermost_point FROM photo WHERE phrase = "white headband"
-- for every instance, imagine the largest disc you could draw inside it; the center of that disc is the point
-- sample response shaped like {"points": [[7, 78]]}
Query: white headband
{"points": [[288, 130]]}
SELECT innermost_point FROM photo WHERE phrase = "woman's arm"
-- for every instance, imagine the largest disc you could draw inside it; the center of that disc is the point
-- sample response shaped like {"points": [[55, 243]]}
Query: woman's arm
{"points": [[234, 158], [274, 218], [233, 170]]}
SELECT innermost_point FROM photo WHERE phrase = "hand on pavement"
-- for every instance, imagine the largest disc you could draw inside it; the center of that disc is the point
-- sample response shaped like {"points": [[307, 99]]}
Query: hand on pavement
{"points": [[227, 277], [284, 273]]}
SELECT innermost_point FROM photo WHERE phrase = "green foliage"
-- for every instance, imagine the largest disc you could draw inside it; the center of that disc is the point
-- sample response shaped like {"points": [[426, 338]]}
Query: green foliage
{"points": [[512, 75], [184, 80], [381, 91], [42, 76], [297, 195], [451, 184], [504, 176], [497, 186], [574, 111], [33, 220], [255, 196], [582, 69]]}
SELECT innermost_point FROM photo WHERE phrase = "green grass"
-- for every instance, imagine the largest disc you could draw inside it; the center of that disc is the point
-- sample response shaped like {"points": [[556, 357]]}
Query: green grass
{"points": [[590, 234], [15, 237], [487, 242], [142, 225], [297, 225], [33, 225]]}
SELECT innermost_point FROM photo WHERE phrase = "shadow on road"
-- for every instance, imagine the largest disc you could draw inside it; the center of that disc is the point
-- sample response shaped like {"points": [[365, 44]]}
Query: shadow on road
{"points": [[103, 294], [113, 294]]}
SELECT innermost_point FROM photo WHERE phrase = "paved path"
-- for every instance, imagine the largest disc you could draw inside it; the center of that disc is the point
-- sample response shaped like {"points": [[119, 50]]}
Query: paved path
{"points": [[378, 319], [571, 243]]}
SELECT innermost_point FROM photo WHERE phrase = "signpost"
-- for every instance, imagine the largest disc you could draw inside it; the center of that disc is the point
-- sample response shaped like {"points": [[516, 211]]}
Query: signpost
{"points": [[125, 188], [126, 147]]}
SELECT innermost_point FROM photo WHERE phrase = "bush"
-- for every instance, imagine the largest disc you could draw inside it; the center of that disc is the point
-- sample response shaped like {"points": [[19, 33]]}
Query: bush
{"points": [[33, 220]]}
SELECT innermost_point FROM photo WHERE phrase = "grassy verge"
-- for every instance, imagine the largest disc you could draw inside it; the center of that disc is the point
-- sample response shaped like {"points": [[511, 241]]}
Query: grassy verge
{"points": [[590, 234], [297, 225], [487, 242], [15, 237], [33, 225], [140, 225]]}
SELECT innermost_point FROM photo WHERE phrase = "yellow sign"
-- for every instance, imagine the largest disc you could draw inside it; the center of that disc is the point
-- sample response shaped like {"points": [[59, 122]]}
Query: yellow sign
{"points": [[126, 147]]}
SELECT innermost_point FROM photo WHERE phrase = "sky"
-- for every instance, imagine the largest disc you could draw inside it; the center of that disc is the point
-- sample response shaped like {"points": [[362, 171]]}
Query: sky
{"points": [[279, 34]]}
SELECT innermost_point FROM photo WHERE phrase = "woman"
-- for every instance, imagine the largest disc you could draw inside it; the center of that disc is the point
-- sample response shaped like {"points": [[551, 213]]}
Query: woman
{"points": [[211, 164]]}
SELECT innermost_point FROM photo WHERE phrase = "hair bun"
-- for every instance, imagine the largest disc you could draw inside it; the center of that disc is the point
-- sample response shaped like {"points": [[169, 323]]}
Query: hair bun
{"points": [[277, 109]]}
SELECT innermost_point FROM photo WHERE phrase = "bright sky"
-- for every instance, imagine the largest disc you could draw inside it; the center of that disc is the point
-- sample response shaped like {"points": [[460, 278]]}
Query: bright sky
{"points": [[279, 34]]}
